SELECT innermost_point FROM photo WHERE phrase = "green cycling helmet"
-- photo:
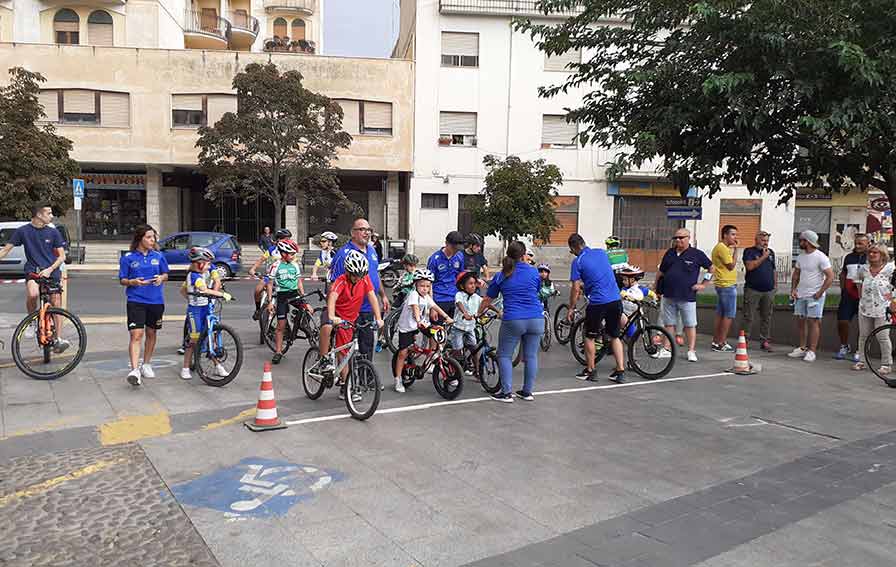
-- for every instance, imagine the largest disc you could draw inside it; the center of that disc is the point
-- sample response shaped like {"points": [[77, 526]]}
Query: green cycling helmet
{"points": [[613, 242]]}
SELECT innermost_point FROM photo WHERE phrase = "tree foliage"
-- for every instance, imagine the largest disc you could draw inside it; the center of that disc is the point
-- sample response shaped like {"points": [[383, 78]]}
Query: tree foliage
{"points": [[278, 146], [34, 162], [518, 198], [775, 94]]}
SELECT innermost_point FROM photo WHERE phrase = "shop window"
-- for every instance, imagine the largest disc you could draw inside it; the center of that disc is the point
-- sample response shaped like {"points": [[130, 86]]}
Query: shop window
{"points": [[113, 212], [280, 27], [457, 128], [66, 24], [99, 28], [434, 201], [376, 118], [460, 49], [298, 29]]}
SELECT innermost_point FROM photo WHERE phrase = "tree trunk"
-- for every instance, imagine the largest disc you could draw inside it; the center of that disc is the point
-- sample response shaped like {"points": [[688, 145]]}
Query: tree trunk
{"points": [[276, 201]]}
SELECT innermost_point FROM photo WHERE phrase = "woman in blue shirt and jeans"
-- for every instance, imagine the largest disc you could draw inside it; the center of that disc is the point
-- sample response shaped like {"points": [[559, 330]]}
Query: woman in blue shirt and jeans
{"points": [[518, 283]]}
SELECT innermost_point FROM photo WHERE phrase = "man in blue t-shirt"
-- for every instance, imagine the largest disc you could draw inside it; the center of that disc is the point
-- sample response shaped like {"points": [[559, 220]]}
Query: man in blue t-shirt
{"points": [[759, 288], [446, 264], [44, 253], [592, 272]]}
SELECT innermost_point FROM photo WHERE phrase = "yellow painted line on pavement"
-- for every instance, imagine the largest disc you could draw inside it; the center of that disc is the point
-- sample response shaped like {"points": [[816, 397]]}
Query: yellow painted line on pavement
{"points": [[242, 416], [46, 485], [134, 427]]}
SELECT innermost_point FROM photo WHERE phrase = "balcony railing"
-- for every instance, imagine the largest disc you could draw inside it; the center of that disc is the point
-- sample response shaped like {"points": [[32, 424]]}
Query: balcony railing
{"points": [[203, 22], [307, 6], [243, 21], [503, 7], [284, 45]]}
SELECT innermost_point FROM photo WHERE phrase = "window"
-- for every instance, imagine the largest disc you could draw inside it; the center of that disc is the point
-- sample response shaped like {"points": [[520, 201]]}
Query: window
{"points": [[115, 110], [351, 116], [376, 118], [433, 201], [99, 28], [218, 105], [460, 49], [561, 61], [49, 99], [179, 242], [203, 240], [465, 205], [280, 27], [65, 27], [187, 111], [241, 19], [80, 107], [556, 132], [457, 128], [645, 229], [209, 20], [298, 29]]}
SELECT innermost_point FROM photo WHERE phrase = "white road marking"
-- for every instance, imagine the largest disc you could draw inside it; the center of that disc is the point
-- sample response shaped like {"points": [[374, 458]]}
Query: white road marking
{"points": [[431, 405]]}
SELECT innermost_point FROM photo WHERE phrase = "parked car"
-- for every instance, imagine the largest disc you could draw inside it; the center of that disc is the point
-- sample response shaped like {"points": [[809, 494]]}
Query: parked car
{"points": [[226, 249], [14, 262]]}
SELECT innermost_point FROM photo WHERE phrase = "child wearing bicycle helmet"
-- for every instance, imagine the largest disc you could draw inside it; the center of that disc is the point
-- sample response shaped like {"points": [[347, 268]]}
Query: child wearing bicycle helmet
{"points": [[284, 279], [415, 313], [547, 289], [264, 263], [325, 258], [200, 281], [631, 291]]}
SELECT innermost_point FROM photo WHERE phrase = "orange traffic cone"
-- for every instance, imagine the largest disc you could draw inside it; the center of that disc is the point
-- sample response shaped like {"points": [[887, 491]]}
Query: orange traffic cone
{"points": [[266, 410], [741, 359]]}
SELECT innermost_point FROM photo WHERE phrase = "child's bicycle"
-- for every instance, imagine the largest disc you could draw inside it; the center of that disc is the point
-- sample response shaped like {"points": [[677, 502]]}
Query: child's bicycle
{"points": [[562, 327], [218, 354], [447, 374], [482, 359], [50, 341], [389, 333], [647, 353], [300, 325], [362, 390]]}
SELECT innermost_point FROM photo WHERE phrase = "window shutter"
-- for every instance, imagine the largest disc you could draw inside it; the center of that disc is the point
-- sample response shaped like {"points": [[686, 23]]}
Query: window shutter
{"points": [[79, 101], [351, 116], [99, 34], [65, 26], [219, 105], [115, 109], [559, 62], [378, 115], [457, 123], [557, 131], [50, 101], [279, 27], [186, 102], [454, 43]]}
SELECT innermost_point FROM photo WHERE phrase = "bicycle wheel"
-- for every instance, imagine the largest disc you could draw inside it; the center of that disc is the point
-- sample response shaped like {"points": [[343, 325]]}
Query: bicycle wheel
{"points": [[562, 327], [311, 327], [270, 335], [218, 356], [488, 374], [363, 389], [646, 354], [58, 353], [391, 330], [408, 373], [313, 387], [546, 337], [448, 377], [875, 350], [577, 344]]}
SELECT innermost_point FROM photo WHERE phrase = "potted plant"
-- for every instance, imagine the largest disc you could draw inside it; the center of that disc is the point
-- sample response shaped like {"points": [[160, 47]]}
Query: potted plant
{"points": [[444, 140]]}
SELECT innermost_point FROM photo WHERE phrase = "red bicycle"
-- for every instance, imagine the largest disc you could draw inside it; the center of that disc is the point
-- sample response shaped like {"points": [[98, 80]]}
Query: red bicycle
{"points": [[447, 373]]}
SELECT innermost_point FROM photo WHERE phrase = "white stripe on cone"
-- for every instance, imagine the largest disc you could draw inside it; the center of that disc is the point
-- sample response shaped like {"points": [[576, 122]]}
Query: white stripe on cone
{"points": [[262, 414], [266, 395]]}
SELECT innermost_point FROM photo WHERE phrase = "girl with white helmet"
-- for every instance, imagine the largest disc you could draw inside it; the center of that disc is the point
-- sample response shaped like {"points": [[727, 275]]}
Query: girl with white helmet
{"points": [[284, 279], [325, 258]]}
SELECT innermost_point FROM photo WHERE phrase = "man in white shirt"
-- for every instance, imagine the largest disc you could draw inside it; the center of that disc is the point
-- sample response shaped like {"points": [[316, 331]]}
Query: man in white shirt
{"points": [[812, 277]]}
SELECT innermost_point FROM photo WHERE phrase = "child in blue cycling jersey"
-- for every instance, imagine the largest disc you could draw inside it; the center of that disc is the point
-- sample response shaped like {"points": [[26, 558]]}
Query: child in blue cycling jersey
{"points": [[198, 305]]}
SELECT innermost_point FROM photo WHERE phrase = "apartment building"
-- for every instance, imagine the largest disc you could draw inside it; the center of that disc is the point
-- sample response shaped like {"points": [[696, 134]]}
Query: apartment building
{"points": [[131, 82]]}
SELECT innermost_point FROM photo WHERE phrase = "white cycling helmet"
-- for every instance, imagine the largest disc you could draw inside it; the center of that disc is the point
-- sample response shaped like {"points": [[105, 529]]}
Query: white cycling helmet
{"points": [[423, 274], [356, 263], [328, 236], [287, 246], [200, 254]]}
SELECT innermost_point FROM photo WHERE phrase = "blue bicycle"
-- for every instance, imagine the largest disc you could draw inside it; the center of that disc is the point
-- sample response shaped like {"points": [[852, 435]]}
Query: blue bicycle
{"points": [[218, 354]]}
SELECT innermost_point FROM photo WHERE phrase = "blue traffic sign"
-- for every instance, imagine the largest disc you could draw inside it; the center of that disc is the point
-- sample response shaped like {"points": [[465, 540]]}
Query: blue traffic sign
{"points": [[78, 188], [688, 213]]}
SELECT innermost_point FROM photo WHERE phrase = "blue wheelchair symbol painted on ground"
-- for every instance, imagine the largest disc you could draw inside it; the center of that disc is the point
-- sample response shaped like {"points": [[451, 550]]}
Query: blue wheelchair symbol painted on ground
{"points": [[256, 487]]}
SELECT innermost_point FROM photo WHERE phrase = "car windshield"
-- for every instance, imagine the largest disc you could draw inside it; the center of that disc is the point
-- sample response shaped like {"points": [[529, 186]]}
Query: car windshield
{"points": [[204, 240]]}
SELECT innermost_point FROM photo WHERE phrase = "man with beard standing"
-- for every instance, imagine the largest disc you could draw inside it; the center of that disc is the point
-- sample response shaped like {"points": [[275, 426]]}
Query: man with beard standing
{"points": [[812, 277]]}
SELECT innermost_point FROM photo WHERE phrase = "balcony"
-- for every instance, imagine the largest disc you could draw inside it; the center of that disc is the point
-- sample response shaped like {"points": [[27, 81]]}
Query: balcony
{"points": [[500, 7], [284, 45], [307, 7], [243, 30], [205, 30]]}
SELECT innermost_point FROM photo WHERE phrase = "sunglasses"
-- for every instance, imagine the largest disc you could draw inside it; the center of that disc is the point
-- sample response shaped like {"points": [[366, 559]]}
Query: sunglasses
{"points": [[363, 229]]}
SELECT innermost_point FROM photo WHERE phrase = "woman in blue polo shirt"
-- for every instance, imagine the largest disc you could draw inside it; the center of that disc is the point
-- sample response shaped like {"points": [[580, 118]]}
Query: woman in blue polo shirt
{"points": [[143, 271], [518, 283]]}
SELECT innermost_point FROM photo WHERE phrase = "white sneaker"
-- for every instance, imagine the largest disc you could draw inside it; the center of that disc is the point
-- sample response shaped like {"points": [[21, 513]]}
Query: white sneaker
{"points": [[31, 330], [134, 377], [220, 370], [399, 387], [61, 346], [147, 371], [468, 372], [798, 352], [692, 356], [185, 374], [810, 356], [664, 353]]}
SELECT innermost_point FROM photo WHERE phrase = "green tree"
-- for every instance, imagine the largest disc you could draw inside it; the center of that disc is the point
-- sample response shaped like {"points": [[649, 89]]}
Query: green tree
{"points": [[278, 146], [518, 199], [776, 94], [34, 162]]}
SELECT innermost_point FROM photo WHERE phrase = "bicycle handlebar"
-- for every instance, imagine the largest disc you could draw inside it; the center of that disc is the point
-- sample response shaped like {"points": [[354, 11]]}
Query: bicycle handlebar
{"points": [[209, 296]]}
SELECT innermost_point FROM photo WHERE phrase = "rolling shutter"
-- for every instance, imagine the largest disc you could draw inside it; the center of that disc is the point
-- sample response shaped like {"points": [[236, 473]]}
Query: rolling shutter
{"points": [[99, 34], [560, 61], [186, 102], [65, 26], [79, 102], [219, 105], [747, 227], [280, 27], [351, 116], [50, 101], [457, 123], [115, 109], [454, 43], [566, 211], [556, 131], [378, 115]]}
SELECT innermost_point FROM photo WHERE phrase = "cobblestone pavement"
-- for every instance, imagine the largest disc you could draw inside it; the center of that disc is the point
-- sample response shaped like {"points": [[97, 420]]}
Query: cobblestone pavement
{"points": [[104, 506]]}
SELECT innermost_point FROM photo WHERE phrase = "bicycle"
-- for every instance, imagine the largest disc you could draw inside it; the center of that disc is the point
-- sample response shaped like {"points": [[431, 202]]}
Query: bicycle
{"points": [[298, 320], [52, 339], [873, 353], [447, 374], [482, 359], [216, 346], [362, 381], [562, 326], [646, 343]]}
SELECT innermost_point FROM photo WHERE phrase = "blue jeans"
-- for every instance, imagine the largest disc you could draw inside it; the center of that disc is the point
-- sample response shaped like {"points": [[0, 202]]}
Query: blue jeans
{"points": [[530, 331]]}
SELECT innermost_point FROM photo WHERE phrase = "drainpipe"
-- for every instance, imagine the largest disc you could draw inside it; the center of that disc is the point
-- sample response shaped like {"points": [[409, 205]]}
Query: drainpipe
{"points": [[509, 78]]}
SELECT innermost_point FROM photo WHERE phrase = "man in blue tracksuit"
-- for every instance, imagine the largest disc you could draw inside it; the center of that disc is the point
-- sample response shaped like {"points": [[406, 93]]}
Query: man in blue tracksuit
{"points": [[446, 264]]}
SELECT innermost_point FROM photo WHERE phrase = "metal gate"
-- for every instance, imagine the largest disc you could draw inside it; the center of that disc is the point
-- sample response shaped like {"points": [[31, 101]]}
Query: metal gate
{"points": [[641, 224]]}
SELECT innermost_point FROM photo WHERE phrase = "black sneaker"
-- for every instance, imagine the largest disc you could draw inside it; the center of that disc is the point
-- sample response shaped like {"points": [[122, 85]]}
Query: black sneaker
{"points": [[276, 358], [506, 398], [524, 395], [585, 374], [618, 376]]}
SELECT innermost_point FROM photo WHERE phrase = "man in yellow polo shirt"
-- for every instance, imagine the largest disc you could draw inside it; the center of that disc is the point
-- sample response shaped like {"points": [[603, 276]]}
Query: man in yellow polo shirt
{"points": [[723, 260]]}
